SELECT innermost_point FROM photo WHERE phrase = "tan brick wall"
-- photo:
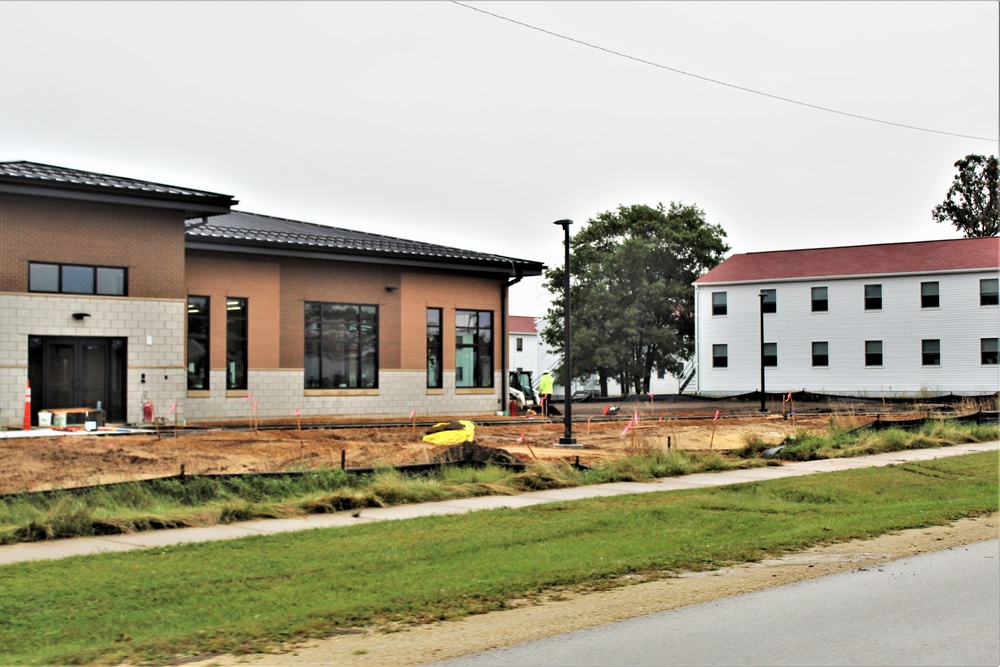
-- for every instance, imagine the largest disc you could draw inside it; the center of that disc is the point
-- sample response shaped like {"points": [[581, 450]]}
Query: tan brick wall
{"points": [[219, 276], [423, 290], [148, 242]]}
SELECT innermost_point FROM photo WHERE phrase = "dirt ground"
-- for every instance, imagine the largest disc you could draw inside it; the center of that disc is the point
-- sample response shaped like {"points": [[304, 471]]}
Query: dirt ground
{"points": [[79, 459]]}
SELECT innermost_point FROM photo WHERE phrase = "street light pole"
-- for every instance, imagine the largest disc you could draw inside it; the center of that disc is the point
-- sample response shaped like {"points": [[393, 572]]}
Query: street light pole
{"points": [[763, 405], [567, 440]]}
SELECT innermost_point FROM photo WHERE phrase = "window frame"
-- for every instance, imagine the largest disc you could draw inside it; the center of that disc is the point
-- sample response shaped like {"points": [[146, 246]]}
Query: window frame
{"points": [[928, 355], [481, 349], [989, 357], [200, 367], [435, 349], [770, 302], [821, 359], [720, 307], [873, 302], [815, 302], [321, 346], [237, 343], [928, 299], [95, 281], [989, 297], [720, 360]]}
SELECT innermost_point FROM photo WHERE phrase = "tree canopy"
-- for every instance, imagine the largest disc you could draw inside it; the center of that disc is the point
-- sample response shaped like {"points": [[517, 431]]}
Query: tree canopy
{"points": [[631, 299], [971, 204]]}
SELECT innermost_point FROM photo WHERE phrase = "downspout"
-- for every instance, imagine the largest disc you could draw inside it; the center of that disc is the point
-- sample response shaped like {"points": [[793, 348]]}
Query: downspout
{"points": [[505, 375]]}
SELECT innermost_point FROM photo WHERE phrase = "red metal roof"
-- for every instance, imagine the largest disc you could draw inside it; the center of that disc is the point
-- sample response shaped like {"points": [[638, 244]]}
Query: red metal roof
{"points": [[917, 257], [521, 324]]}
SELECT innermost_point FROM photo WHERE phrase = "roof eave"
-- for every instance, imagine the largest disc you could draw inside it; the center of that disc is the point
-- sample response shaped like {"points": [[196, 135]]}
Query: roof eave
{"points": [[192, 206]]}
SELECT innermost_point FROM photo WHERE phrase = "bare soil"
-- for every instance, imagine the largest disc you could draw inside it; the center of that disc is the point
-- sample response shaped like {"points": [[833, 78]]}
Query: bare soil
{"points": [[79, 459]]}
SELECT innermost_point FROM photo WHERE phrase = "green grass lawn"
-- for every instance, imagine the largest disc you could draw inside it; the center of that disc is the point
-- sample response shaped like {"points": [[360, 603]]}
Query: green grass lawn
{"points": [[246, 594]]}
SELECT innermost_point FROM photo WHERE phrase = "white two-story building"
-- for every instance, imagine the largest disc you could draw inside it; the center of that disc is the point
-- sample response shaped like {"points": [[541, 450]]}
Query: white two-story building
{"points": [[902, 319]]}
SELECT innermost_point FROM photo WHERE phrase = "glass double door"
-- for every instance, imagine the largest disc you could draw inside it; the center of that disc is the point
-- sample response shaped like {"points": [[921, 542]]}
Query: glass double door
{"points": [[70, 372]]}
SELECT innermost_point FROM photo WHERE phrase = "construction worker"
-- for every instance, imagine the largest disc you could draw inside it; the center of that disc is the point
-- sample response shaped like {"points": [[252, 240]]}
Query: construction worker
{"points": [[545, 391]]}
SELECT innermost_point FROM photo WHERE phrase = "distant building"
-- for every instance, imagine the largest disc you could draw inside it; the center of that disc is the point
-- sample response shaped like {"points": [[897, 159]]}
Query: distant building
{"points": [[119, 292], [900, 319]]}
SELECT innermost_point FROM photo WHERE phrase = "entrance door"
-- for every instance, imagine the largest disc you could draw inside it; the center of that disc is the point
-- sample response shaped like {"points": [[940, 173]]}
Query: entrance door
{"points": [[68, 372]]}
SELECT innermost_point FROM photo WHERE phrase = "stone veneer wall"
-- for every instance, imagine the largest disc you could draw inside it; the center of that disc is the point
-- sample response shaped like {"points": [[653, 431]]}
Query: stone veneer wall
{"points": [[154, 329]]}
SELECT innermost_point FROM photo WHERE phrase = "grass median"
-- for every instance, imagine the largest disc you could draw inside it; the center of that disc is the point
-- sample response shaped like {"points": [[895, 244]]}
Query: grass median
{"points": [[252, 593]]}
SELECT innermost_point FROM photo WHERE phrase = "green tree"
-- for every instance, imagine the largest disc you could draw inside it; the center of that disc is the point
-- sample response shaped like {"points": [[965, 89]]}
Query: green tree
{"points": [[971, 204], [631, 300]]}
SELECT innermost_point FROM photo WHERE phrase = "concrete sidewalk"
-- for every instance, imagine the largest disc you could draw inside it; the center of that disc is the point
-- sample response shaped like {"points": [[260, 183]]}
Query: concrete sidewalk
{"points": [[157, 538]]}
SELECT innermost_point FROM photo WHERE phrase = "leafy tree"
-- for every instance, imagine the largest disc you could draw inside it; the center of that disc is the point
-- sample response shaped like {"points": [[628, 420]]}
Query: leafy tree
{"points": [[631, 300], [971, 204]]}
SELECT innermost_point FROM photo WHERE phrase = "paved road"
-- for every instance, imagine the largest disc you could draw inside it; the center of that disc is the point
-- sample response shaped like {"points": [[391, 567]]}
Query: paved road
{"points": [[941, 608]]}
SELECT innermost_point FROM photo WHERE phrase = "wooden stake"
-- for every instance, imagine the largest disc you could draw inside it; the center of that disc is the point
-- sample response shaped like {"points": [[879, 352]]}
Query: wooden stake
{"points": [[156, 424]]}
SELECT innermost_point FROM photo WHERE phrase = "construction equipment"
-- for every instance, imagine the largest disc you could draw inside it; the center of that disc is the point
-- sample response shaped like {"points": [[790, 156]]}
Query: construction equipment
{"points": [[522, 393]]}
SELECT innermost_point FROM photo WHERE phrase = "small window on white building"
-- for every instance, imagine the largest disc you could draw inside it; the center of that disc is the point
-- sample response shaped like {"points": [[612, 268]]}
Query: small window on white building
{"points": [[770, 354], [989, 351], [720, 356], [929, 295], [770, 303], [719, 304], [989, 292], [930, 352], [873, 297], [821, 353], [519, 344], [820, 300], [873, 353]]}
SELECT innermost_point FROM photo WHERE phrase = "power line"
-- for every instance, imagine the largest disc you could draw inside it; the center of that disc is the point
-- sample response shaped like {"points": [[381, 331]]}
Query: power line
{"points": [[715, 81]]}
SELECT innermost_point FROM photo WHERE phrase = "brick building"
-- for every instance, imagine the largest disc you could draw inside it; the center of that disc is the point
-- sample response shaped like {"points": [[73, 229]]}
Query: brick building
{"points": [[121, 291]]}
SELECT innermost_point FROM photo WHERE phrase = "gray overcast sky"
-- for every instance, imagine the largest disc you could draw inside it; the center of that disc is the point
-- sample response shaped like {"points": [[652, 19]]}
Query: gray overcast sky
{"points": [[432, 121]]}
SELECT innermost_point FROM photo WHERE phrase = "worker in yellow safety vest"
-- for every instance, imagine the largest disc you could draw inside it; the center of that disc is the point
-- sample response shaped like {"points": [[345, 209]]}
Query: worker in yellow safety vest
{"points": [[545, 391]]}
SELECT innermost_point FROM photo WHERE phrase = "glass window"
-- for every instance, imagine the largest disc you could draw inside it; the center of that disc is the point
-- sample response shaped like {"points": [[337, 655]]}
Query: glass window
{"points": [[110, 281], [770, 354], [341, 346], [873, 297], [929, 295], [820, 302], [43, 277], [770, 304], [719, 305], [989, 351], [76, 279], [989, 291], [820, 353], [930, 351], [720, 356], [873, 353], [519, 344], [197, 342], [236, 343], [473, 348], [434, 348]]}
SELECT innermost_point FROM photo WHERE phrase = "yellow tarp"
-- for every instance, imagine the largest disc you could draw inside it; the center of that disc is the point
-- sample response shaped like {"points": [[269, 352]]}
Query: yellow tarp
{"points": [[454, 436]]}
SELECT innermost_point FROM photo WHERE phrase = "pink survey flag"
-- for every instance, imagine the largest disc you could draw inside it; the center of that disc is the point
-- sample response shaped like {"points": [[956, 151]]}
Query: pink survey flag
{"points": [[255, 406], [297, 412], [172, 408], [521, 439], [628, 426], [413, 413], [716, 415], [650, 394]]}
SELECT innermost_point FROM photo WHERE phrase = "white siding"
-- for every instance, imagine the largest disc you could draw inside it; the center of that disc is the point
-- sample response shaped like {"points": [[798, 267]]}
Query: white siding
{"points": [[959, 323]]}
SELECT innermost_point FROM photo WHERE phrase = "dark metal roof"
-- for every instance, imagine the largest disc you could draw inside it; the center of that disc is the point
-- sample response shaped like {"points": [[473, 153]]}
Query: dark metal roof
{"points": [[48, 180], [240, 231]]}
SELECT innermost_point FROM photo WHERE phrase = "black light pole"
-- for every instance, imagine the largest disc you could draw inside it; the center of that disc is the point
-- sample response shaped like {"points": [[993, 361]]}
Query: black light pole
{"points": [[567, 440], [763, 405]]}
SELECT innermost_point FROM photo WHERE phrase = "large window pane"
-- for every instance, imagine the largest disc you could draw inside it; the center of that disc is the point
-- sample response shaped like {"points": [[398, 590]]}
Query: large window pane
{"points": [[236, 343], [820, 300], [341, 346], [111, 281], [197, 345], [434, 348], [473, 348], [43, 277], [989, 291], [78, 279]]}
